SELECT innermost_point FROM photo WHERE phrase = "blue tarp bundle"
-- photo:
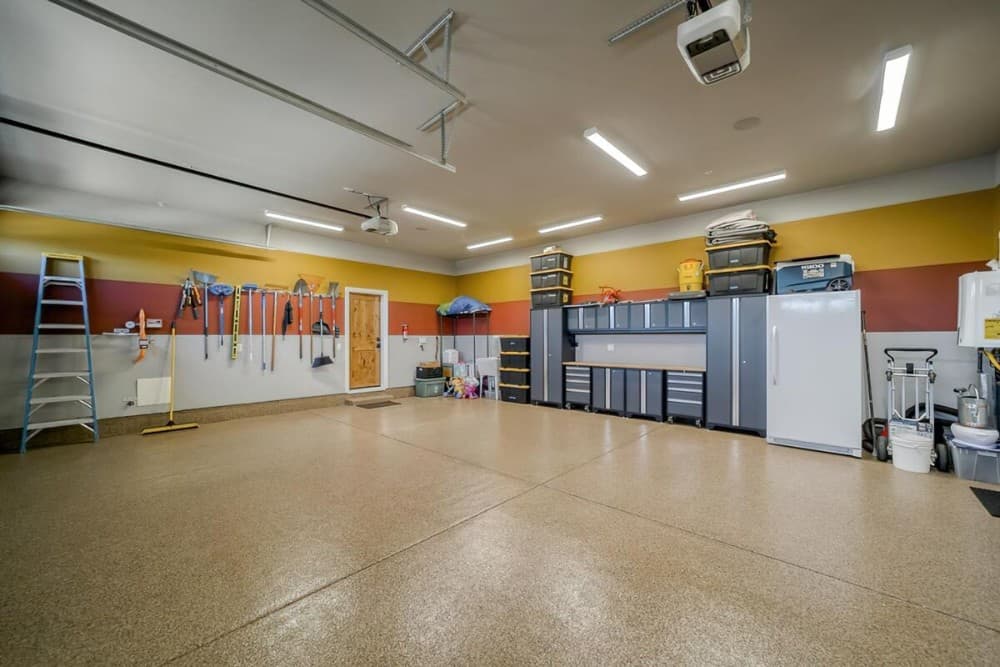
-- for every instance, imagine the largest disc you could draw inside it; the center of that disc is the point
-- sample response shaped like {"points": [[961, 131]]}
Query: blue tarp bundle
{"points": [[463, 305]]}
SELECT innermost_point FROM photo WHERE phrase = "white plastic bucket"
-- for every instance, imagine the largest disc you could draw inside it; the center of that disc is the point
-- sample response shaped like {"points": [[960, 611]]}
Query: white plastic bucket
{"points": [[911, 452]]}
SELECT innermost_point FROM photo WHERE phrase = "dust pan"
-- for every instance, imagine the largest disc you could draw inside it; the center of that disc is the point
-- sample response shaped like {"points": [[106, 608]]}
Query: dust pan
{"points": [[322, 359], [170, 425]]}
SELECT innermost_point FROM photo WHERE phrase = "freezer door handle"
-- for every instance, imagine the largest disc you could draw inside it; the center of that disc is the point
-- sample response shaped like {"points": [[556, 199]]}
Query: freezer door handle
{"points": [[774, 355]]}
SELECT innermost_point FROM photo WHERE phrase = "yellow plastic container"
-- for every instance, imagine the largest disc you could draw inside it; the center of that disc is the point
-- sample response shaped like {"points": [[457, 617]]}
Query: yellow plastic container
{"points": [[691, 275]]}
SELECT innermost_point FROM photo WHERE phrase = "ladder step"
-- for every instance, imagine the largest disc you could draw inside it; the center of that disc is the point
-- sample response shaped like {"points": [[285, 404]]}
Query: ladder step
{"points": [[60, 422], [60, 399], [61, 350], [53, 325], [62, 280], [83, 375], [61, 302]]}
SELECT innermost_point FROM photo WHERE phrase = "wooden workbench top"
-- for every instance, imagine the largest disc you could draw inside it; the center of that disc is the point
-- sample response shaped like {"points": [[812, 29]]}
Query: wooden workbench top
{"points": [[641, 367]]}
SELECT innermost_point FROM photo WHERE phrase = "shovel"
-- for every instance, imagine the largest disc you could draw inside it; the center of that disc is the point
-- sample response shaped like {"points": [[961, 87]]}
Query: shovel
{"points": [[322, 359], [300, 288]]}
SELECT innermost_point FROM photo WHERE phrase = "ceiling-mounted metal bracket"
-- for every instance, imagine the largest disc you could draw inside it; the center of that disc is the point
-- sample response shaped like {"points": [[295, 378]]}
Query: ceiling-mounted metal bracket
{"points": [[662, 11], [132, 29], [267, 234], [375, 202]]}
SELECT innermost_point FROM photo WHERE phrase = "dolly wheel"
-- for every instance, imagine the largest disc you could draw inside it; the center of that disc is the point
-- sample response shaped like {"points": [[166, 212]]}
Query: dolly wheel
{"points": [[882, 448], [942, 456]]}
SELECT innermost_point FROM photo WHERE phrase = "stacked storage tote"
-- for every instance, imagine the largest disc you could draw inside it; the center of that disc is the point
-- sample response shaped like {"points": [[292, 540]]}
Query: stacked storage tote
{"points": [[550, 341], [515, 374]]}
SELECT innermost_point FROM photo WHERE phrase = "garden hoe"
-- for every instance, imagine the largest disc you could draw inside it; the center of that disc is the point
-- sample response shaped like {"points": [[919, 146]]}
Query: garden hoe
{"points": [[170, 425]]}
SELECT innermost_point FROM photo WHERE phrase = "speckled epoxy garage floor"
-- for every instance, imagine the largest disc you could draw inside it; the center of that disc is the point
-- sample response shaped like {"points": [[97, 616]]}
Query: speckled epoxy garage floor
{"points": [[476, 532]]}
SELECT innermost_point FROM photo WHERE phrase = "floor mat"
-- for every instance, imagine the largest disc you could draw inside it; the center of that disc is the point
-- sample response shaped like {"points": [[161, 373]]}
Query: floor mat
{"points": [[377, 404], [989, 499]]}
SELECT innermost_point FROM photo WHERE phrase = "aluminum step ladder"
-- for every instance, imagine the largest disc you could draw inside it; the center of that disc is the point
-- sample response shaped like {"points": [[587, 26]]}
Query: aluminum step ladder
{"points": [[33, 424]]}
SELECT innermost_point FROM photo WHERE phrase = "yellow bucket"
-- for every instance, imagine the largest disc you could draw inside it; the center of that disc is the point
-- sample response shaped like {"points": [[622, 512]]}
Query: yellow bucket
{"points": [[691, 275]]}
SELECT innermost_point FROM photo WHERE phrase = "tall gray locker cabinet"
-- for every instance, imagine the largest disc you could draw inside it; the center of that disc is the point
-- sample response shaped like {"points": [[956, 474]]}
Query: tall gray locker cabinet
{"points": [[550, 347], [736, 376]]}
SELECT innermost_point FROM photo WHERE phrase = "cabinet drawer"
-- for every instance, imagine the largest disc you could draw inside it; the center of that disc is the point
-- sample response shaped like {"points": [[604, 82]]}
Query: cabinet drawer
{"points": [[690, 392], [685, 408], [684, 376]]}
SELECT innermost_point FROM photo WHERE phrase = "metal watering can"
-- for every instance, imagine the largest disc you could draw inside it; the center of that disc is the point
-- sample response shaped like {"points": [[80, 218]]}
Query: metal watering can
{"points": [[973, 411]]}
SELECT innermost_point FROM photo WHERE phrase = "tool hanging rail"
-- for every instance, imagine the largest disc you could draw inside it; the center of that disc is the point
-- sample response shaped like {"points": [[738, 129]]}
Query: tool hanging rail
{"points": [[36, 378]]}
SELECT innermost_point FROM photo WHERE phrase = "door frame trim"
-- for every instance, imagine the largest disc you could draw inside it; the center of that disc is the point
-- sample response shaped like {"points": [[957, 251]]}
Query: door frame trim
{"points": [[383, 332]]}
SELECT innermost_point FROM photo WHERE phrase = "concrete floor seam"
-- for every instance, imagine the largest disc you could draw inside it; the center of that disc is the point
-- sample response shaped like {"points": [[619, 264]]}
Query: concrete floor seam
{"points": [[338, 580], [664, 524], [426, 449]]}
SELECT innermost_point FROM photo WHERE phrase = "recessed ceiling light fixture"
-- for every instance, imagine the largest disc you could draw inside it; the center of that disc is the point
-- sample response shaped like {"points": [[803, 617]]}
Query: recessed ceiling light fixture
{"points": [[567, 225], [893, 75], [303, 221], [759, 180], [594, 137], [433, 216], [476, 246]]}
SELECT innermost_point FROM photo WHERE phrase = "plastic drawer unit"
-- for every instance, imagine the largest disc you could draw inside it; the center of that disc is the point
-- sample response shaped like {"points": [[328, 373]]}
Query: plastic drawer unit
{"points": [[514, 343], [577, 386], [685, 396]]}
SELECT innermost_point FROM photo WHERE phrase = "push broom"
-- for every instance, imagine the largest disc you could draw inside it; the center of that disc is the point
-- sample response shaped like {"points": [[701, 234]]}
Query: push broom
{"points": [[170, 425]]}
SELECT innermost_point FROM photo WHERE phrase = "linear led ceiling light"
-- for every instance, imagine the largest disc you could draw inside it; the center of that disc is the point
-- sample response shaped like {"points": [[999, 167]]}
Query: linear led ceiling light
{"points": [[567, 225], [893, 75], [434, 216], [594, 137], [759, 180], [303, 221], [476, 246]]}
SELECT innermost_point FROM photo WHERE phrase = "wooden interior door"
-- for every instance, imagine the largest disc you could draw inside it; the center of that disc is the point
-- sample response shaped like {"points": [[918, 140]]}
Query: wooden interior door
{"points": [[365, 340]]}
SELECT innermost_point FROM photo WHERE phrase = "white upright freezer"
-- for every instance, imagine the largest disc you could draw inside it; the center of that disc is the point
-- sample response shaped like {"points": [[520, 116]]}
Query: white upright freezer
{"points": [[814, 371]]}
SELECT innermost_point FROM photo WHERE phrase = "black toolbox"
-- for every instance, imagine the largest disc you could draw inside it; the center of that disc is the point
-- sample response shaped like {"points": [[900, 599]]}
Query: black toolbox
{"points": [[515, 376], [514, 393], [551, 260], [514, 343], [751, 280], [550, 297], [556, 278], [514, 360], [743, 254]]}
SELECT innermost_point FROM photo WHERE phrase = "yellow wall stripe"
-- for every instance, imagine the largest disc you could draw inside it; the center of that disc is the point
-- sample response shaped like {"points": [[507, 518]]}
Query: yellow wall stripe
{"points": [[116, 253], [946, 230]]}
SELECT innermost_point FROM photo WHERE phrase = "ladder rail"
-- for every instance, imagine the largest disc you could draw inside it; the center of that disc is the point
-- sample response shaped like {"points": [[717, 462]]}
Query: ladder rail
{"points": [[31, 404]]}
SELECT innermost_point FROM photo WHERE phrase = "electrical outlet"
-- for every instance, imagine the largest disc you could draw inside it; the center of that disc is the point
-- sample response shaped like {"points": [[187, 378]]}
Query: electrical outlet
{"points": [[611, 347], [154, 324]]}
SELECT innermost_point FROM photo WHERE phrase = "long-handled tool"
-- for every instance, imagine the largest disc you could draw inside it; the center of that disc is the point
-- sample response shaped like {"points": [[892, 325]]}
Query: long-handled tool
{"points": [[263, 329], [300, 289], [322, 359], [143, 338], [250, 287], [288, 319], [170, 425], [237, 295], [222, 291], [206, 279], [274, 327], [333, 318]]}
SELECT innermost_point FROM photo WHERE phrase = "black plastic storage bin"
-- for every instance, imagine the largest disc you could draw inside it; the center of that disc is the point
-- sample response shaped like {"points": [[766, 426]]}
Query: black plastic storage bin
{"points": [[513, 360], [753, 280], [550, 261], [515, 376], [554, 297], [514, 394], [429, 372], [556, 278], [514, 343], [733, 255]]}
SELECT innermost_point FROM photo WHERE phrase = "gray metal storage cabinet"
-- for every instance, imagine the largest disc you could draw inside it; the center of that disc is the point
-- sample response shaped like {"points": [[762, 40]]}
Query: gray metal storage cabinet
{"points": [[550, 347], [644, 393], [736, 377], [607, 389]]}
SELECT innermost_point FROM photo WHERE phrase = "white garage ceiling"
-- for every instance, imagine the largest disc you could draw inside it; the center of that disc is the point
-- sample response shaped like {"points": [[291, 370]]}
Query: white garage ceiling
{"points": [[538, 75]]}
